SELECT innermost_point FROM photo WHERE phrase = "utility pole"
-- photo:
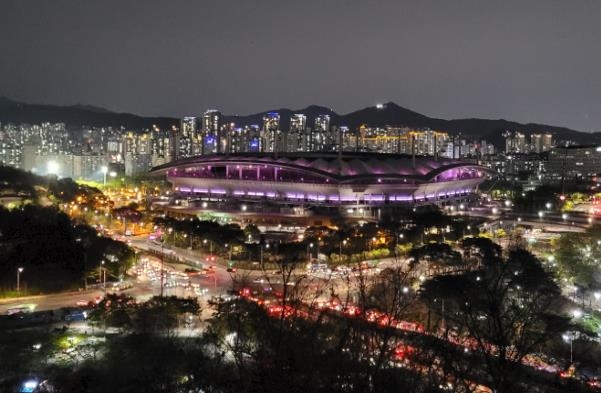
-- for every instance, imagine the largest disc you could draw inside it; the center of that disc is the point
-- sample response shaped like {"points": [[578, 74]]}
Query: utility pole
{"points": [[162, 265]]}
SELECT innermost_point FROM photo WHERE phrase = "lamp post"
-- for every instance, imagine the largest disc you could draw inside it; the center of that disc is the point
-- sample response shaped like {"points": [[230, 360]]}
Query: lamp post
{"points": [[205, 241], [162, 265], [340, 251], [105, 170], [102, 275], [19, 271], [309, 246], [569, 337], [317, 255], [229, 249], [396, 246]]}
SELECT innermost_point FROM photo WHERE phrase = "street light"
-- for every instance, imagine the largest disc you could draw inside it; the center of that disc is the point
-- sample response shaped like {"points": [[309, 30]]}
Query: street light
{"points": [[104, 170], [162, 265], [317, 255], [342, 243], [205, 241], [19, 271], [569, 337], [267, 247], [229, 251], [101, 274]]}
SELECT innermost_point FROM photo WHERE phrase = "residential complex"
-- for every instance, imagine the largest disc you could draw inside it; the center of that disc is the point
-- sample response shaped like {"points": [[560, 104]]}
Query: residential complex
{"points": [[532, 159]]}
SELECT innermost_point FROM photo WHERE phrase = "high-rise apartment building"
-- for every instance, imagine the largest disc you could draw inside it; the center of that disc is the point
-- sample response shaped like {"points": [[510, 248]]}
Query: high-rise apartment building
{"points": [[187, 138], [272, 133], [297, 138], [162, 146], [211, 123], [547, 142], [225, 137], [321, 139], [515, 142]]}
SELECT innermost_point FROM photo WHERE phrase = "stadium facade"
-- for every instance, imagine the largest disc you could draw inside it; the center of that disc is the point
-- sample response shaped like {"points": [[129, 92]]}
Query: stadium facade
{"points": [[346, 182]]}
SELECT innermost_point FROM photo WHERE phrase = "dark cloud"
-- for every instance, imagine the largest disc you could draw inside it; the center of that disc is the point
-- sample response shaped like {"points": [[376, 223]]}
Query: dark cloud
{"points": [[533, 61]]}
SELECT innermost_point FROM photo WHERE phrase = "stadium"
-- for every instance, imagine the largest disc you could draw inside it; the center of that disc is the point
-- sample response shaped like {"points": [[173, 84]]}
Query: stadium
{"points": [[353, 184]]}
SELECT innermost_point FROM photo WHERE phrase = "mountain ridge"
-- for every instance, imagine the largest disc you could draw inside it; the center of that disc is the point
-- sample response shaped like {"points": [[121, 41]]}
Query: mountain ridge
{"points": [[388, 114]]}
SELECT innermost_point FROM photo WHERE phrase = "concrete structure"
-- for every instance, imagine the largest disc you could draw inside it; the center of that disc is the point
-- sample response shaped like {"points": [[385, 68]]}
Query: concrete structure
{"points": [[348, 183]]}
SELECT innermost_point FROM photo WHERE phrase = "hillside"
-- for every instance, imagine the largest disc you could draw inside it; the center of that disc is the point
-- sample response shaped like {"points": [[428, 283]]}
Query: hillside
{"points": [[389, 114]]}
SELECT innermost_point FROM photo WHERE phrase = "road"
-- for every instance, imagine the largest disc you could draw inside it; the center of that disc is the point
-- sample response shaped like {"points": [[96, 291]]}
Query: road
{"points": [[219, 282], [216, 283]]}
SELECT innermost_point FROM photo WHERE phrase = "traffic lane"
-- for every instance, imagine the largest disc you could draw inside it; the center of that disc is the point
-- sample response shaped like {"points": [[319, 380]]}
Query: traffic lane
{"points": [[52, 301]]}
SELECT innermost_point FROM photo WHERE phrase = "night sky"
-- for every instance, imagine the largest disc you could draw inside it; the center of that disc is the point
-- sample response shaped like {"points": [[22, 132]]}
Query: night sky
{"points": [[529, 61]]}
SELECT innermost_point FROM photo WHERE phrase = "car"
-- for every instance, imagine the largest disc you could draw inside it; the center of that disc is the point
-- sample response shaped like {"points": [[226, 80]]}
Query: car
{"points": [[215, 300], [82, 303], [192, 272], [231, 270]]}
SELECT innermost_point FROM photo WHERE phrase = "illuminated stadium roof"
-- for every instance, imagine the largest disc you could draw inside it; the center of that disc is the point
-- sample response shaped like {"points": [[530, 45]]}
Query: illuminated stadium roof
{"points": [[323, 178], [351, 166]]}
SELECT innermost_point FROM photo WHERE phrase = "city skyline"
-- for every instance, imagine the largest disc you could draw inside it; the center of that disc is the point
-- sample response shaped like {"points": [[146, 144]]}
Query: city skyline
{"points": [[532, 62]]}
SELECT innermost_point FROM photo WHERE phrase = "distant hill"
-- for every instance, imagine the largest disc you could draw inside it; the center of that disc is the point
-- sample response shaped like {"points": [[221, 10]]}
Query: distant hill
{"points": [[490, 130], [389, 114], [76, 116]]}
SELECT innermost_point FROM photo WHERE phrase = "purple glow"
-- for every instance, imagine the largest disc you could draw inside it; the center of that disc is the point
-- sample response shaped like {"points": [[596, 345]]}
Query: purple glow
{"points": [[185, 189], [201, 190], [218, 192], [374, 198], [271, 195], [403, 198], [239, 192], [295, 196]]}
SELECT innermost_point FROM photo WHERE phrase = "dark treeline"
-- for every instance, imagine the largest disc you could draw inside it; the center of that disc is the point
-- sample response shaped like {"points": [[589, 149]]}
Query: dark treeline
{"points": [[54, 253]]}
